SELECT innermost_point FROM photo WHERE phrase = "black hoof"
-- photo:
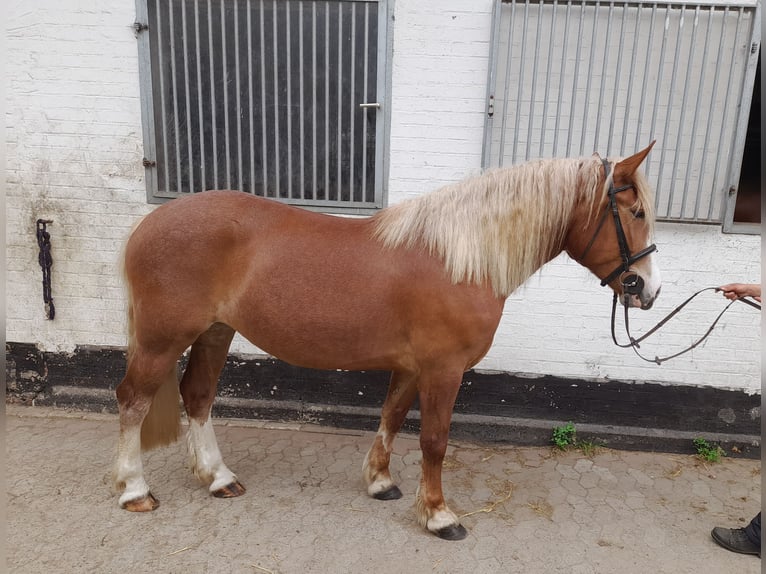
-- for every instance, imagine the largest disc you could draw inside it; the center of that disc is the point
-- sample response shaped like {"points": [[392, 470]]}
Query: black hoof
{"points": [[389, 494], [453, 532]]}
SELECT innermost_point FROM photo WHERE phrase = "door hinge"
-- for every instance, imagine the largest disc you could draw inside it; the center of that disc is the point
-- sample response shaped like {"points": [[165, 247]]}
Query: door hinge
{"points": [[149, 163], [140, 27]]}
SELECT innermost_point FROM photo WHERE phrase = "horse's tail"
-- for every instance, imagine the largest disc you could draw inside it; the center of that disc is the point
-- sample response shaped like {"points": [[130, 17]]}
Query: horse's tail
{"points": [[162, 424]]}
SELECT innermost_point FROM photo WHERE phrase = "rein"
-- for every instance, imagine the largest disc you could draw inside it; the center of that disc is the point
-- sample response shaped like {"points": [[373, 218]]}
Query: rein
{"points": [[634, 343]]}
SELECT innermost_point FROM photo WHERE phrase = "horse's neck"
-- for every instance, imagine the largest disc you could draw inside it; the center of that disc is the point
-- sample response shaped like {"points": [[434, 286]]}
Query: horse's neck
{"points": [[536, 232]]}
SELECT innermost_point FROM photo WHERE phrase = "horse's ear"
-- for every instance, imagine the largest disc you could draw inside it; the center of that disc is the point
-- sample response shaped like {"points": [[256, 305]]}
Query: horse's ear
{"points": [[629, 165]]}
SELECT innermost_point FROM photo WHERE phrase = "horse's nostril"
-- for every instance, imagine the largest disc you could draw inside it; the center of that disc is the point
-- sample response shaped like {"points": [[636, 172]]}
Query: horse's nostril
{"points": [[633, 284]]}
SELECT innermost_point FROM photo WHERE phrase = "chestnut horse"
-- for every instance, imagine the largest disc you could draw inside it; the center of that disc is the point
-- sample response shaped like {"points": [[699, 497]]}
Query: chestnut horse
{"points": [[417, 289]]}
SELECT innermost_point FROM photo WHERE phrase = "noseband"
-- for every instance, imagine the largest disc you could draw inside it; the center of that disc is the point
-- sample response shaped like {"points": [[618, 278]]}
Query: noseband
{"points": [[631, 283]]}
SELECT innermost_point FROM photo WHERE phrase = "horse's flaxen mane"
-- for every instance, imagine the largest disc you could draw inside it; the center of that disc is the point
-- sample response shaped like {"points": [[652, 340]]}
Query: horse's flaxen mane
{"points": [[504, 224]]}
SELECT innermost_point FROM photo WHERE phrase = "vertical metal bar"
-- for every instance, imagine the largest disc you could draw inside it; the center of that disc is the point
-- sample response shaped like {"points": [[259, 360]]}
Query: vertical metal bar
{"points": [[288, 78], [384, 13], [352, 73], [535, 62], [163, 106], [238, 97], [507, 89], [275, 90], [250, 80], [547, 74], [644, 84], [671, 93], [561, 77], [148, 124], [617, 82], [521, 78], [590, 75], [301, 119], [364, 91], [187, 90], [684, 105], [314, 99], [174, 84], [573, 107], [264, 134], [491, 93], [340, 102], [213, 114], [698, 111], [225, 71], [713, 93], [327, 105], [200, 107], [602, 88], [631, 74], [720, 158], [656, 107]]}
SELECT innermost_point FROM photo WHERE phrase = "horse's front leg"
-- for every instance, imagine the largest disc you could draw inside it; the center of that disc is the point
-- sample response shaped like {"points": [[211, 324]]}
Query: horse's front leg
{"points": [[437, 394], [198, 386], [401, 394]]}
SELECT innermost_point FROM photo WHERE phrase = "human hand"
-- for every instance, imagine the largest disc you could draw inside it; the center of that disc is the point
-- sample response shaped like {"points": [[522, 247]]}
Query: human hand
{"points": [[737, 290]]}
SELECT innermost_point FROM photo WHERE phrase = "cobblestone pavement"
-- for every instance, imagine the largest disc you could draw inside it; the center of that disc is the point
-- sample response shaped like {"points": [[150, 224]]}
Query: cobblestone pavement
{"points": [[528, 510]]}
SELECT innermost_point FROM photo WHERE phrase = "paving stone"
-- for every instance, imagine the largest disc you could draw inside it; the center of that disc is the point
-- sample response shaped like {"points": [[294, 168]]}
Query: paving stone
{"points": [[527, 510]]}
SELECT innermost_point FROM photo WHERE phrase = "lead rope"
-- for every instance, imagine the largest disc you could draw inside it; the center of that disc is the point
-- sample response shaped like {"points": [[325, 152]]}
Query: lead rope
{"points": [[634, 343]]}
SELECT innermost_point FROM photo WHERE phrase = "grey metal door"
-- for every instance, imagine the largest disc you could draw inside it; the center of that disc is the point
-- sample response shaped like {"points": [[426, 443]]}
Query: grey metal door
{"points": [[279, 98], [573, 77]]}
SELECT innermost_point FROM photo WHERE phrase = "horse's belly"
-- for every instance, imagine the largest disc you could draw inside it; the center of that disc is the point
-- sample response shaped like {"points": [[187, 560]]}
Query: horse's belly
{"points": [[349, 343]]}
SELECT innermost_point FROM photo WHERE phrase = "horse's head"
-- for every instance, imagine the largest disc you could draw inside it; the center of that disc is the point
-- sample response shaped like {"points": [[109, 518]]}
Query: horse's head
{"points": [[611, 235]]}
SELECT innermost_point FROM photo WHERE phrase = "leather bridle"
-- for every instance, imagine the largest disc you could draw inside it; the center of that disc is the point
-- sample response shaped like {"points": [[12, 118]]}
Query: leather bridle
{"points": [[632, 283]]}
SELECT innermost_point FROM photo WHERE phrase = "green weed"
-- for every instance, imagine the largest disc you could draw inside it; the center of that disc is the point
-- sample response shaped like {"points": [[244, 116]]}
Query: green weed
{"points": [[708, 452], [564, 437]]}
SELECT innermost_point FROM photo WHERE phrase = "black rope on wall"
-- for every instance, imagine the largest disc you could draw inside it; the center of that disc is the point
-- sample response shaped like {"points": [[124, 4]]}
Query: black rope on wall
{"points": [[46, 261]]}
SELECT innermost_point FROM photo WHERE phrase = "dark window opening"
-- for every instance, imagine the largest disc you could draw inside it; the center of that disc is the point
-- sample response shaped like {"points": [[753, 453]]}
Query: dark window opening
{"points": [[748, 205]]}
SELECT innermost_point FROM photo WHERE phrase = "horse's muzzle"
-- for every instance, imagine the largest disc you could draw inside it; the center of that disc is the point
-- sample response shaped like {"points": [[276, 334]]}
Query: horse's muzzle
{"points": [[635, 293]]}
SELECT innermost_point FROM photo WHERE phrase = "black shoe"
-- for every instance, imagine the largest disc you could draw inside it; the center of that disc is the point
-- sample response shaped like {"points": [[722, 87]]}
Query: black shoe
{"points": [[736, 540]]}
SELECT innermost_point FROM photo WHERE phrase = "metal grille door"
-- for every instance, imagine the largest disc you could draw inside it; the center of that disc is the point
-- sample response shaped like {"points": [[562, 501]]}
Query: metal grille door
{"points": [[570, 78], [272, 97]]}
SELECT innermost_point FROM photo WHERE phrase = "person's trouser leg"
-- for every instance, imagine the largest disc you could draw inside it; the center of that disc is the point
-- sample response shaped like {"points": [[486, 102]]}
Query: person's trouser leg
{"points": [[753, 530]]}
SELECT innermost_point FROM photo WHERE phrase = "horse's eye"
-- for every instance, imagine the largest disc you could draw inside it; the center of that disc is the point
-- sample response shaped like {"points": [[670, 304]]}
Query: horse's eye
{"points": [[640, 214]]}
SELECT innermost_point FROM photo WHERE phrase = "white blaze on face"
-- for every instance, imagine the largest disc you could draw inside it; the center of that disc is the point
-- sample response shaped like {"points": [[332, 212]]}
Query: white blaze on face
{"points": [[649, 271]]}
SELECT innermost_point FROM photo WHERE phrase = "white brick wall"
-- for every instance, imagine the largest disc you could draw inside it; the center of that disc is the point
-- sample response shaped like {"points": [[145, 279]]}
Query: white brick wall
{"points": [[74, 151], [74, 156]]}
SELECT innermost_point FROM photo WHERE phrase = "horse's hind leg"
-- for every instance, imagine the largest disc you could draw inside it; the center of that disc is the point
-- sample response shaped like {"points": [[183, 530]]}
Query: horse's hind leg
{"points": [[150, 384], [401, 394], [198, 386]]}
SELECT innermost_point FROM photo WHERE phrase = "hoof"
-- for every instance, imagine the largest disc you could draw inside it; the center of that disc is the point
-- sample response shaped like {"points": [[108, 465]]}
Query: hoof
{"points": [[144, 504], [230, 490], [391, 493], [452, 532]]}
